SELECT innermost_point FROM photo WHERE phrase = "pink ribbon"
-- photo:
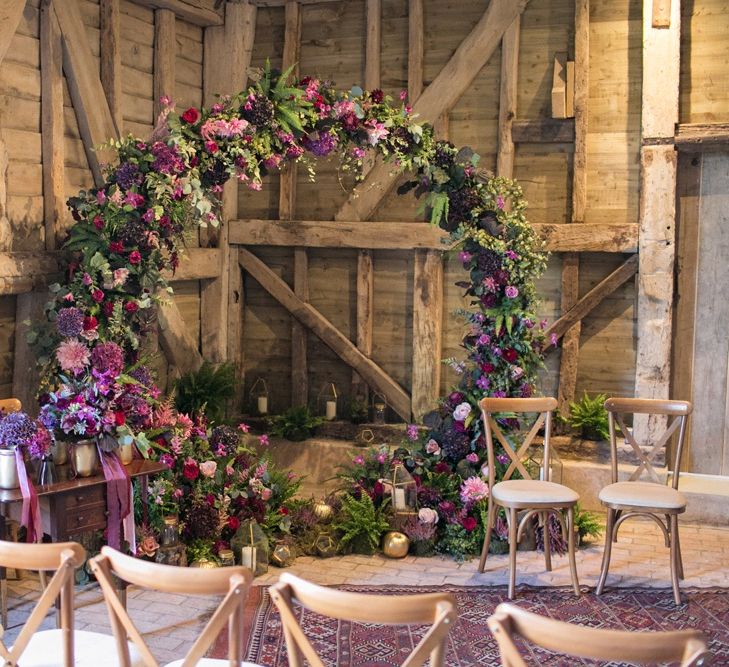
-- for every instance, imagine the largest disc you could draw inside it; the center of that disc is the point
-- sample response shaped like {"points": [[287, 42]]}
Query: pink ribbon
{"points": [[118, 498], [31, 516]]}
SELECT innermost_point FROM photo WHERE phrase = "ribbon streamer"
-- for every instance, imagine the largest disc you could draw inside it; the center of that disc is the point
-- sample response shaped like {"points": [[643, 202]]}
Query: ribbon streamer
{"points": [[118, 499], [31, 516]]}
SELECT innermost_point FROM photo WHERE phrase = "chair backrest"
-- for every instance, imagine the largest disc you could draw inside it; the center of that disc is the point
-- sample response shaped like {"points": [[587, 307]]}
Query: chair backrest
{"points": [[64, 558], [677, 413], [231, 582], [8, 405], [519, 406], [435, 609], [685, 646]]}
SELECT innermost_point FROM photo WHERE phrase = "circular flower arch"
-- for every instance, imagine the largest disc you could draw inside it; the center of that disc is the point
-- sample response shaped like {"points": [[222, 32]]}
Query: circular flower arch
{"points": [[132, 228]]}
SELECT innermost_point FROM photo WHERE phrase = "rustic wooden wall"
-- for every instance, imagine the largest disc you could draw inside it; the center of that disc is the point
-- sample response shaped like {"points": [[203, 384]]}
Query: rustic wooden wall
{"points": [[333, 47]]}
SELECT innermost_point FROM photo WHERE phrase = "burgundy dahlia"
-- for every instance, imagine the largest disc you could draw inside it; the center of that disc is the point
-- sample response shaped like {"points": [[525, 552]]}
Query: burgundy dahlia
{"points": [[108, 358]]}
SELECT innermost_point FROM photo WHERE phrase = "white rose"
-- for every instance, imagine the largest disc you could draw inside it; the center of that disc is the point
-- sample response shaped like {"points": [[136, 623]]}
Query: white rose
{"points": [[427, 515]]}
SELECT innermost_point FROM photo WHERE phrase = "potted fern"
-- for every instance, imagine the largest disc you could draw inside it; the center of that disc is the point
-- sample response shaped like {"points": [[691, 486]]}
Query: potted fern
{"points": [[589, 417], [295, 424], [361, 524]]}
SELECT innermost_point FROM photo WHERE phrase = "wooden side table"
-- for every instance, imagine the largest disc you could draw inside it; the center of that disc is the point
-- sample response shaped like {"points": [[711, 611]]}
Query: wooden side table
{"points": [[73, 506]]}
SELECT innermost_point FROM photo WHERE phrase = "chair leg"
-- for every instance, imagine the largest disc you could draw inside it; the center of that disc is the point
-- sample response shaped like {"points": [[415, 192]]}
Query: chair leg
{"points": [[487, 539], [512, 551], [678, 552], [547, 548], [571, 549], [4, 602], [606, 553], [43, 579], [674, 559]]}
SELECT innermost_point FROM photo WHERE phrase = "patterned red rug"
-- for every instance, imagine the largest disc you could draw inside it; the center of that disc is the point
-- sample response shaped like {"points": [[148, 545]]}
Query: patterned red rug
{"points": [[343, 644]]}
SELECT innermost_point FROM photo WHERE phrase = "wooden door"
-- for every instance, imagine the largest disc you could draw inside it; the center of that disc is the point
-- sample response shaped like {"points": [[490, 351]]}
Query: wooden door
{"points": [[701, 335]]}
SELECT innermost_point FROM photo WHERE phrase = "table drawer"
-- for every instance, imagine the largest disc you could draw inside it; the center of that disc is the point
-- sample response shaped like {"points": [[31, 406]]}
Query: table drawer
{"points": [[87, 518], [92, 495]]}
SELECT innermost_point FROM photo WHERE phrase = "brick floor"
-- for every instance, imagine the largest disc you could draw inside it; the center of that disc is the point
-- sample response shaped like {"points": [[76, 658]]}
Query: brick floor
{"points": [[171, 622]]}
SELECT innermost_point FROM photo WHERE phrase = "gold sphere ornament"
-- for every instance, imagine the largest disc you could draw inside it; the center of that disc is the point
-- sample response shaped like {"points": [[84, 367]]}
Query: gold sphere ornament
{"points": [[205, 564], [323, 511], [395, 544]]}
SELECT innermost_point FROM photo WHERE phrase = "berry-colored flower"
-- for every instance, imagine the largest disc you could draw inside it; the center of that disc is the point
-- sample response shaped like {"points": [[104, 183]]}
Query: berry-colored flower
{"points": [[263, 440], [511, 355], [511, 292], [116, 246], [191, 116], [469, 524], [135, 257], [97, 295], [90, 323], [412, 432], [131, 306], [441, 467], [234, 523], [377, 96], [108, 358], [98, 222], [432, 447], [108, 308], [190, 469], [472, 457]]}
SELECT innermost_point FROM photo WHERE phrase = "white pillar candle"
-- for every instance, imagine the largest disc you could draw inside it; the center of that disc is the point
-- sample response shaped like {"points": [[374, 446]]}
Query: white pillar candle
{"points": [[248, 558], [399, 499], [263, 405], [331, 410]]}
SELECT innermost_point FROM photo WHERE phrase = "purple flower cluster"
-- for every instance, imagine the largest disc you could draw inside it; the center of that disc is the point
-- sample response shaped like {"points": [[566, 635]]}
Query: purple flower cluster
{"points": [[128, 175], [16, 429], [320, 143], [142, 375], [70, 322], [166, 159], [108, 358]]}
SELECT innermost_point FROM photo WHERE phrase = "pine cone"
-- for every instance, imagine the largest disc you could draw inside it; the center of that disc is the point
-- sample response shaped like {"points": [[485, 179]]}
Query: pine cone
{"points": [[261, 112]]}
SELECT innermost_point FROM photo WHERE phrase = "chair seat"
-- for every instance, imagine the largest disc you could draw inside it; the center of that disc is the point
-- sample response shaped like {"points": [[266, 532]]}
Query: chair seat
{"points": [[91, 649], [211, 662], [532, 491], [643, 494]]}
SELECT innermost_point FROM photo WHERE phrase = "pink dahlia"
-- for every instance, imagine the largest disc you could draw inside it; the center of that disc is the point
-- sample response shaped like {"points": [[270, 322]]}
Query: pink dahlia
{"points": [[474, 489], [72, 356]]}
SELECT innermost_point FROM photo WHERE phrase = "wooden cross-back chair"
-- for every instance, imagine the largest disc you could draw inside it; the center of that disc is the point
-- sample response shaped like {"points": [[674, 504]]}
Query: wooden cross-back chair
{"points": [[508, 621], [540, 497], [8, 405], [636, 497], [435, 609], [231, 582], [64, 646]]}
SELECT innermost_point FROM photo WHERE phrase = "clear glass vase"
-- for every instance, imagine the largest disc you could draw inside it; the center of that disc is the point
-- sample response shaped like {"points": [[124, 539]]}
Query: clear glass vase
{"points": [[47, 471]]}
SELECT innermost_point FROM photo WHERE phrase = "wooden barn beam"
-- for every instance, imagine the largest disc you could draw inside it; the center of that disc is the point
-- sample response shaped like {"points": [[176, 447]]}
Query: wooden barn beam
{"points": [[286, 211], [95, 120], [11, 11], [198, 264], [571, 261], [428, 265], [22, 272], [452, 81], [178, 345], [543, 131], [165, 54], [222, 300], [282, 3], [365, 285], [310, 317], [586, 304], [661, 76], [699, 136], [110, 57], [198, 12], [507, 98], [52, 137], [587, 237]]}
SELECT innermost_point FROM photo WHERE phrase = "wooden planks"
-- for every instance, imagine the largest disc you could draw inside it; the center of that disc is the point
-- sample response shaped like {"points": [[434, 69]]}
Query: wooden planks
{"points": [[11, 13], [165, 49], [52, 136], [178, 345], [586, 304], [659, 115], [507, 98], [95, 121], [396, 396], [197, 12], [455, 77], [419, 235], [110, 57], [543, 131], [698, 136]]}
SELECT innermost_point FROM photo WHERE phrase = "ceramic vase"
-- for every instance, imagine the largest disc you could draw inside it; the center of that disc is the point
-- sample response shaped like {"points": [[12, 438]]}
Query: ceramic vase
{"points": [[126, 454], [8, 469], [85, 458]]}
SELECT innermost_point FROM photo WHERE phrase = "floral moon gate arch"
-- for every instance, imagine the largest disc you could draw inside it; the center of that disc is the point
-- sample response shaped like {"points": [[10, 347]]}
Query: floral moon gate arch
{"points": [[128, 231]]}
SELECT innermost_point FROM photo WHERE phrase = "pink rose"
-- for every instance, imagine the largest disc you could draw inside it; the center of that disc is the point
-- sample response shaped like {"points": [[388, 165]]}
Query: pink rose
{"points": [[265, 493], [208, 468]]}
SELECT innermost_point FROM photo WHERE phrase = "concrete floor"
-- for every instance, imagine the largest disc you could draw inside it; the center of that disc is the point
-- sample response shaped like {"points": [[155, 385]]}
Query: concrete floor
{"points": [[171, 622]]}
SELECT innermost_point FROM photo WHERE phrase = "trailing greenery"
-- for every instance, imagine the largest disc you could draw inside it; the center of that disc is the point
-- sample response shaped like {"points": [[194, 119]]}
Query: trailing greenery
{"points": [[207, 390], [296, 424], [361, 523], [590, 418], [588, 524]]}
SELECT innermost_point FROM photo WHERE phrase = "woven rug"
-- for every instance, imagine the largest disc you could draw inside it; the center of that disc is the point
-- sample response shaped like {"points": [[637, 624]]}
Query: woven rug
{"points": [[344, 644]]}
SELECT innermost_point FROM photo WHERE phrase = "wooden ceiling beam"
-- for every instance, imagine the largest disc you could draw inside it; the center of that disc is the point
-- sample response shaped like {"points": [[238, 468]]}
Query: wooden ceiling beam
{"points": [[311, 318], [198, 12], [11, 11], [450, 84], [587, 237]]}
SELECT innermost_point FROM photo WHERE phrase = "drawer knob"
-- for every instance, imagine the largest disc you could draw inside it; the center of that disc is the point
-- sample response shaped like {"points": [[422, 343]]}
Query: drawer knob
{"points": [[79, 498]]}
